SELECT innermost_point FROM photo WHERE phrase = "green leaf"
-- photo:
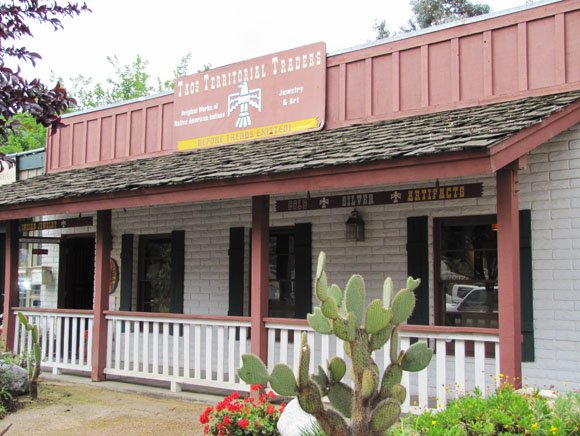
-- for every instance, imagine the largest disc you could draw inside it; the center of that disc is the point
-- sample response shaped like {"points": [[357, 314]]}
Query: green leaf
{"points": [[253, 370]]}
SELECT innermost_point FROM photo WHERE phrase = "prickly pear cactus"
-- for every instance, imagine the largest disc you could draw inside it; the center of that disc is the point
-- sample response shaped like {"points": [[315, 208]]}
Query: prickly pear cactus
{"points": [[33, 368], [373, 403]]}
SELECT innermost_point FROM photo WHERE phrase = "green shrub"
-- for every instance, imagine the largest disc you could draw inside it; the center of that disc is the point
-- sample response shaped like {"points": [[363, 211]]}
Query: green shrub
{"points": [[503, 413]]}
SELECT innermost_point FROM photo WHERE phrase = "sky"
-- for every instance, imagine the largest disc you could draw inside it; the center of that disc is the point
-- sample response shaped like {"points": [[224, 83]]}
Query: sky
{"points": [[218, 32]]}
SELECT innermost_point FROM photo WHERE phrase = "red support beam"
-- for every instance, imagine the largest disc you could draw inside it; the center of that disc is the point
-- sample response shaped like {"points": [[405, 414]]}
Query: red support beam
{"points": [[260, 274], [10, 284], [510, 335], [101, 303]]}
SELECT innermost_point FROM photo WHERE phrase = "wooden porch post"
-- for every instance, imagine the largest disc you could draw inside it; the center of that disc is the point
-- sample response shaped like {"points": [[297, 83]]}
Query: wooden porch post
{"points": [[101, 303], [10, 284], [510, 334], [260, 274]]}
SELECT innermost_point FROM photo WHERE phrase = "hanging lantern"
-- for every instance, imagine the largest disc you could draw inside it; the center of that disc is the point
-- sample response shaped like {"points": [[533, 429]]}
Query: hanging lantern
{"points": [[355, 227]]}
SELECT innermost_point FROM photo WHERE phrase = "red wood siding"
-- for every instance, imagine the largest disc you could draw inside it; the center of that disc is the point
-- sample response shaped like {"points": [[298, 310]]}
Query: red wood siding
{"points": [[535, 51]]}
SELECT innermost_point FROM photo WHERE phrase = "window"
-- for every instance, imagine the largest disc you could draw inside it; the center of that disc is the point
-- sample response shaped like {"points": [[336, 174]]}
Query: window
{"points": [[466, 272], [282, 286], [155, 271]]}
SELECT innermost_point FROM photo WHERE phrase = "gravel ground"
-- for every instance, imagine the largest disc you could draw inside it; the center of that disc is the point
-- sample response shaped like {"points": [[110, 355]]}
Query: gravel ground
{"points": [[66, 408]]}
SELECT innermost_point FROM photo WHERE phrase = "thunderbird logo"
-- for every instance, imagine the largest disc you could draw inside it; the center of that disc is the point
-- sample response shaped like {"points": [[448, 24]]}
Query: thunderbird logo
{"points": [[244, 99]]}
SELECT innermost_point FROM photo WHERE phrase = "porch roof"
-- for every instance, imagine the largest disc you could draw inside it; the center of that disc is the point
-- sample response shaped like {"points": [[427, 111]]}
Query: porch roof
{"points": [[472, 129]]}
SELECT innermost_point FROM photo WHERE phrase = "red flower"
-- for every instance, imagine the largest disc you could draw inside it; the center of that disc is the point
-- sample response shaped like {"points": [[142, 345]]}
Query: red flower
{"points": [[270, 409], [243, 423], [226, 420], [256, 387], [206, 429]]}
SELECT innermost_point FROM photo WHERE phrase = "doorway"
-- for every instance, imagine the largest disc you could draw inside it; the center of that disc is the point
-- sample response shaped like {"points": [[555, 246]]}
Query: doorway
{"points": [[76, 272]]}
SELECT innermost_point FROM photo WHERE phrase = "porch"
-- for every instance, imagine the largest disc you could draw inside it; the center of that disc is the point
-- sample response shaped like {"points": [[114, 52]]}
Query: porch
{"points": [[205, 351]]}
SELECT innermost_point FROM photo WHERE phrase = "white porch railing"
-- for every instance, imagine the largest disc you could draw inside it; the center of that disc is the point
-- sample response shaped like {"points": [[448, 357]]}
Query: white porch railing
{"points": [[459, 363], [180, 349], [66, 337]]}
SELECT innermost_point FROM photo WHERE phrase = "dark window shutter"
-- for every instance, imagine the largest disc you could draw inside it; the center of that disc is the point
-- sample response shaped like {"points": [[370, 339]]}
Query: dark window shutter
{"points": [[126, 272], [177, 270], [418, 265], [526, 286], [2, 266], [303, 280], [236, 272]]}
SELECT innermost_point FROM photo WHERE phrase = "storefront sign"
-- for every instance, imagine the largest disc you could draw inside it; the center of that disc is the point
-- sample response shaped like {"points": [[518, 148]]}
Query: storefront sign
{"points": [[39, 240], [56, 224], [275, 95], [416, 195]]}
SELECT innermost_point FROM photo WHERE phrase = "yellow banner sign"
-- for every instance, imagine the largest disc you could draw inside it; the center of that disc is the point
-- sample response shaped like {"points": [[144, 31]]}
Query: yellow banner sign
{"points": [[256, 133]]}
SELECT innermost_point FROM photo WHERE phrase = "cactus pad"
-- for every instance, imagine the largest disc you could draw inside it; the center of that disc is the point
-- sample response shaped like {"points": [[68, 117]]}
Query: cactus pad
{"points": [[322, 287], [335, 292], [253, 370], [282, 380], [340, 396], [412, 283], [403, 305], [355, 298], [319, 322], [329, 308], [387, 292], [377, 317], [321, 380], [417, 357], [336, 369], [370, 381], [345, 328], [310, 398], [385, 415], [320, 264], [399, 393], [380, 338], [391, 377]]}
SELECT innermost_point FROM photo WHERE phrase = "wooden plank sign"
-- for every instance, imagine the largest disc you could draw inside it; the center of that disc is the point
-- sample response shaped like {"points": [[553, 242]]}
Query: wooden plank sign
{"points": [[413, 195], [65, 223]]}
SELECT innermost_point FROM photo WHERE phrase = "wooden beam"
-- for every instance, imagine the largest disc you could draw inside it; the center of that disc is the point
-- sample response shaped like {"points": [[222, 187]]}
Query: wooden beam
{"points": [[510, 335], [260, 274], [11, 295], [101, 301]]}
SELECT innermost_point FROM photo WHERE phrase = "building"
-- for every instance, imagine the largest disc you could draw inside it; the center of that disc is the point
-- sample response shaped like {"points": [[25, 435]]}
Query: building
{"points": [[22, 166], [180, 231]]}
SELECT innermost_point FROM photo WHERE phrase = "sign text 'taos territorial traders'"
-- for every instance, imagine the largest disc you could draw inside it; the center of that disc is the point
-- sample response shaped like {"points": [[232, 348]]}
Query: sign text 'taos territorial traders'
{"points": [[273, 95]]}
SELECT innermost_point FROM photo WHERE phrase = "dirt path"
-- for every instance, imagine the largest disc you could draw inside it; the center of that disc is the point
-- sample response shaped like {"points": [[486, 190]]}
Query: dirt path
{"points": [[73, 409]]}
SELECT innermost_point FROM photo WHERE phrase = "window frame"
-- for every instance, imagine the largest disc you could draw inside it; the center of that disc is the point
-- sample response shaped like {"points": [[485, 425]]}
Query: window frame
{"points": [[143, 239], [438, 224]]}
